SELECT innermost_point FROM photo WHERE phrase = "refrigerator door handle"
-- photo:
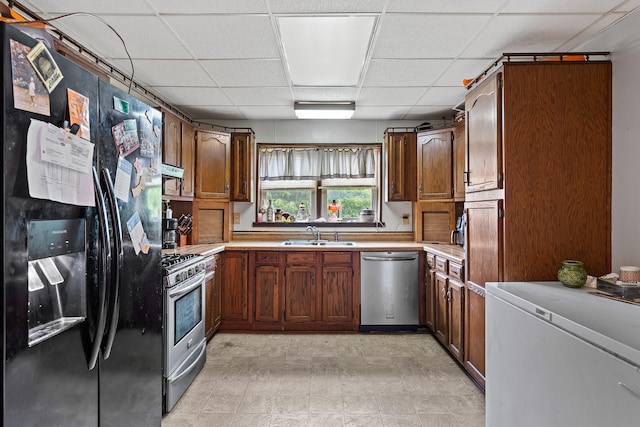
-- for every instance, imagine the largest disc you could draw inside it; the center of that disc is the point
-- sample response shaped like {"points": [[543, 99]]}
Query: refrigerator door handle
{"points": [[114, 302], [104, 270]]}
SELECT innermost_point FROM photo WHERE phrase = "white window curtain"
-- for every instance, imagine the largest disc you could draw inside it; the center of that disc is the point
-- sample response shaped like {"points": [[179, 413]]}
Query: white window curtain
{"points": [[316, 163]]}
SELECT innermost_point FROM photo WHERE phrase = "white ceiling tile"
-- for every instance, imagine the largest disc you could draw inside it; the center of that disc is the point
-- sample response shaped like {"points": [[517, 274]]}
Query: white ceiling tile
{"points": [[448, 96], [144, 36], [628, 6], [526, 33], [326, 6], [208, 6], [226, 36], [404, 72], [324, 93], [462, 69], [439, 6], [259, 96], [426, 36], [123, 7], [246, 72], [596, 28], [380, 113], [564, 6], [389, 96], [259, 112], [193, 95], [161, 72]]}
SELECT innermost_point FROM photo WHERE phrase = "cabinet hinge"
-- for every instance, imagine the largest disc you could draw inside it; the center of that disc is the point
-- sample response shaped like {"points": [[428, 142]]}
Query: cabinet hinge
{"points": [[500, 212], [499, 176], [499, 82]]}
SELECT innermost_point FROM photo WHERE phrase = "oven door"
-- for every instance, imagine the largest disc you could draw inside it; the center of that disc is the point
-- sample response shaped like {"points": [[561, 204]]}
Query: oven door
{"points": [[184, 321]]}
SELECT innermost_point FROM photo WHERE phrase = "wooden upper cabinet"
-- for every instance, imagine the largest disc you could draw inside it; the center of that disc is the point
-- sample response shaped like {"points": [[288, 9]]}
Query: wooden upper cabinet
{"points": [[171, 151], [188, 163], [484, 140], [401, 166], [435, 165], [213, 165], [242, 144], [459, 160], [178, 149]]}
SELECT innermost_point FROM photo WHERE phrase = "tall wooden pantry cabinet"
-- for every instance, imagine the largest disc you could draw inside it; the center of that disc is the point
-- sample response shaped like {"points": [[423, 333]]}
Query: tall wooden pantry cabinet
{"points": [[538, 179]]}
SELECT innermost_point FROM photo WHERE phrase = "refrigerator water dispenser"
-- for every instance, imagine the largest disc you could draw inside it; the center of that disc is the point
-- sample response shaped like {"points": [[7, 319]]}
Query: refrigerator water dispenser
{"points": [[57, 277]]}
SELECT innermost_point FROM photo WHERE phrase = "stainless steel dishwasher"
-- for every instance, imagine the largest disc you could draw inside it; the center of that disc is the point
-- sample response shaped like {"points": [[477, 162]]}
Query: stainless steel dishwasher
{"points": [[389, 283]]}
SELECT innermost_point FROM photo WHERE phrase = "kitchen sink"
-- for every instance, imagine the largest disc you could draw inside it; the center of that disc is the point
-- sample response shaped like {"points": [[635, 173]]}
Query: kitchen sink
{"points": [[317, 243]]}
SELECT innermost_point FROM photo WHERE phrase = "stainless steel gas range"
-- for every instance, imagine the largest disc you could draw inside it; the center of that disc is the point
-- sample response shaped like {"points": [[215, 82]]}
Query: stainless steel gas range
{"points": [[183, 323]]}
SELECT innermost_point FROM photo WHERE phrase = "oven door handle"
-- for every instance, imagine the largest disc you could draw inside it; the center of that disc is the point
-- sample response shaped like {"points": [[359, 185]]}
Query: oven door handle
{"points": [[104, 270], [114, 302], [185, 288], [203, 348]]}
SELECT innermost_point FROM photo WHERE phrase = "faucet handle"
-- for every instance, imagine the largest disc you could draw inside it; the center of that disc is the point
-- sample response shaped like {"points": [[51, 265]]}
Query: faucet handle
{"points": [[335, 236]]}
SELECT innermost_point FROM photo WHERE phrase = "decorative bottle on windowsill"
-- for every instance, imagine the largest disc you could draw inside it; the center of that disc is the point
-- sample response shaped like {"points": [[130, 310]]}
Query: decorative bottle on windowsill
{"points": [[270, 212], [572, 274]]}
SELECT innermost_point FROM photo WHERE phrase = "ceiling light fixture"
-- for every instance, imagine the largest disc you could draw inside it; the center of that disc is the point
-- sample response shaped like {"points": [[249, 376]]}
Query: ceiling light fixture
{"points": [[324, 110]]}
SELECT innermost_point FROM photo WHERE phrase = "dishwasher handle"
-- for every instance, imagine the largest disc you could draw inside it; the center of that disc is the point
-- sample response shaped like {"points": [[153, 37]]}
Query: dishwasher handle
{"points": [[384, 258]]}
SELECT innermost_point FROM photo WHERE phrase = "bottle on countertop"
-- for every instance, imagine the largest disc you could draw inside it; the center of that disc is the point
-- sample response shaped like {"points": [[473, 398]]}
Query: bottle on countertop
{"points": [[270, 212]]}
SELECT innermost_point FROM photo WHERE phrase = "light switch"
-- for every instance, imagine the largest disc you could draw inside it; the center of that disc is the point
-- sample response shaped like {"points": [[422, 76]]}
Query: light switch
{"points": [[406, 219]]}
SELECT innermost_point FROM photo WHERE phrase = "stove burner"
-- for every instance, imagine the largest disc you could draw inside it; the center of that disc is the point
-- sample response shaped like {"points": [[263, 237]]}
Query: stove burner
{"points": [[171, 260]]}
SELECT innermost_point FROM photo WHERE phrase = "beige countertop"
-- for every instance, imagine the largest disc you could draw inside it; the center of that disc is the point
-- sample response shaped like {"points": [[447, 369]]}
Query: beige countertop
{"points": [[456, 253]]}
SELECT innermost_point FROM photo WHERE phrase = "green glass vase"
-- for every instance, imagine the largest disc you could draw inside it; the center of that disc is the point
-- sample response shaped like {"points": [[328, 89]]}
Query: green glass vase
{"points": [[572, 274]]}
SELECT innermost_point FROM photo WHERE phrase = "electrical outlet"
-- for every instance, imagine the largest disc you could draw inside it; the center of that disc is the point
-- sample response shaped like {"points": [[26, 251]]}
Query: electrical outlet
{"points": [[406, 219], [236, 217]]}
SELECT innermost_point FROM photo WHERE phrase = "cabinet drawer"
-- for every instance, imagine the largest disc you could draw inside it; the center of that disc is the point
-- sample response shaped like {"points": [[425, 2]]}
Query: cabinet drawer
{"points": [[301, 258], [336, 257], [263, 257], [456, 271], [431, 261], [442, 264]]}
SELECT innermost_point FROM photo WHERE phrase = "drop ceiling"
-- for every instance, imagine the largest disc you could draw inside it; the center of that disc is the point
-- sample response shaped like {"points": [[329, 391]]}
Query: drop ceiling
{"points": [[224, 59]]}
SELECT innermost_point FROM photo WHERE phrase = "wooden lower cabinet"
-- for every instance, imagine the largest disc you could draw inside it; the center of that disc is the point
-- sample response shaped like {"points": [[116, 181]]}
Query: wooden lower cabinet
{"points": [[291, 290], [455, 298], [442, 308], [430, 298], [300, 294], [235, 290], [474, 333], [267, 292]]}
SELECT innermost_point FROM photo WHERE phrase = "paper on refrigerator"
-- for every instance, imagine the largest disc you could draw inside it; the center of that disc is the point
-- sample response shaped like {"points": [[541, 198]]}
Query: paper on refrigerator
{"points": [[59, 165]]}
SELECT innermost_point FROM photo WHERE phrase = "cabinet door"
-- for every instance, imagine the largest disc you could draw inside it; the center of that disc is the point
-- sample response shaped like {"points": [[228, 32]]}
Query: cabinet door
{"points": [[235, 287], [455, 295], [267, 294], [337, 294], [474, 333], [430, 297], [484, 260], [484, 147], [441, 303], [213, 154], [188, 163], [241, 157], [435, 164], [459, 158], [171, 151], [401, 166], [300, 294]]}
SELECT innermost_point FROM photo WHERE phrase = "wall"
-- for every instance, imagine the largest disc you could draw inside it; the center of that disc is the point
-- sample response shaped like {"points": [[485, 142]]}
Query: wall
{"points": [[623, 41], [325, 132]]}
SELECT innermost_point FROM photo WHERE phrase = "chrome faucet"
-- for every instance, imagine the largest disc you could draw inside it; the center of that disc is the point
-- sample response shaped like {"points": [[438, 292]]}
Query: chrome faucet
{"points": [[314, 231]]}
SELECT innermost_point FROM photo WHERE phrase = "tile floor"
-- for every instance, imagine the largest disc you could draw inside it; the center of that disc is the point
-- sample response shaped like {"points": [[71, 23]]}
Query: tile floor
{"points": [[328, 380]]}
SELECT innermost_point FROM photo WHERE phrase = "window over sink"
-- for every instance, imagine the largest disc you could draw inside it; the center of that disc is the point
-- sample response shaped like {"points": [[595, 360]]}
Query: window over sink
{"points": [[334, 183]]}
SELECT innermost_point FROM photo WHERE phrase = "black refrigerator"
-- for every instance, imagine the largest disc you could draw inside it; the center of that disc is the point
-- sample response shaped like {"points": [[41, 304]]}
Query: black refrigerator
{"points": [[82, 295]]}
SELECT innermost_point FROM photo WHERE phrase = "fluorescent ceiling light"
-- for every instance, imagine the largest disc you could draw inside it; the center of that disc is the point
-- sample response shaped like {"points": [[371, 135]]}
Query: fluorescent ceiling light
{"points": [[324, 110], [326, 50]]}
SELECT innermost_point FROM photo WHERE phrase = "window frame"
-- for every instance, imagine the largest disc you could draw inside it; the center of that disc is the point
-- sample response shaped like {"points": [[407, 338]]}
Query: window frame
{"points": [[320, 194]]}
